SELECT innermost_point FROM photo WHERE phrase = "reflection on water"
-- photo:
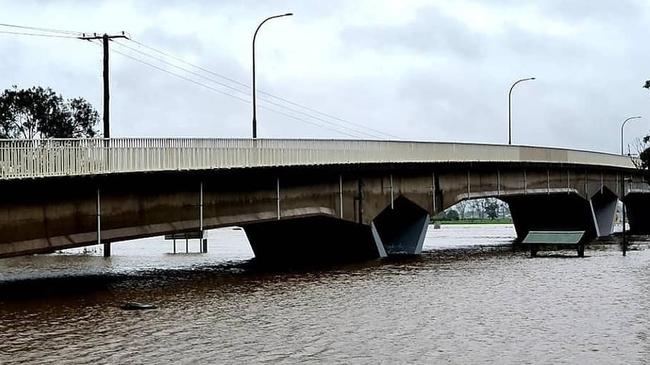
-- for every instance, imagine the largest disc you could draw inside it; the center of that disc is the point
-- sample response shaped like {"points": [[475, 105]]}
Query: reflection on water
{"points": [[468, 299]]}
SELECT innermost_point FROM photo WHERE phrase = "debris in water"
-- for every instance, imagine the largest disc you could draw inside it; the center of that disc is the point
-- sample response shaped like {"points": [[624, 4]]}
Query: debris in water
{"points": [[137, 306]]}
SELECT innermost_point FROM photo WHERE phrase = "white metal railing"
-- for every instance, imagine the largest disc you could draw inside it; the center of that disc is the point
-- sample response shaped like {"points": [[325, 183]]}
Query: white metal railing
{"points": [[636, 186], [63, 157]]}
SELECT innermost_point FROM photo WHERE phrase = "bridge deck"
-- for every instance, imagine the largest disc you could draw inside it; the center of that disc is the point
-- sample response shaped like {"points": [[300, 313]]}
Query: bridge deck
{"points": [[72, 157]]}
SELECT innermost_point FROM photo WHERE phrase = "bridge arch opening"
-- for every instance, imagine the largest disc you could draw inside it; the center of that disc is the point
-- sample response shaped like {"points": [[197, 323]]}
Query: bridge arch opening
{"points": [[482, 221], [476, 209]]}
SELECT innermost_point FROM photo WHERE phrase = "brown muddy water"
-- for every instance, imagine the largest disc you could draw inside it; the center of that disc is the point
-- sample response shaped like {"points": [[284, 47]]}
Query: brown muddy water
{"points": [[468, 299]]}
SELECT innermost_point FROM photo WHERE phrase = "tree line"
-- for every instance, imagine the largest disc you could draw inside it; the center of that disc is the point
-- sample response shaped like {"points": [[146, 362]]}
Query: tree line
{"points": [[488, 208], [39, 113]]}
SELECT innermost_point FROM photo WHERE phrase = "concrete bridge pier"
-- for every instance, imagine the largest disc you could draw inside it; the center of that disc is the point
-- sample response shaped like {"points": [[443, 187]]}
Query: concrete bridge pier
{"points": [[312, 239], [401, 227], [566, 211], [637, 206], [603, 210]]}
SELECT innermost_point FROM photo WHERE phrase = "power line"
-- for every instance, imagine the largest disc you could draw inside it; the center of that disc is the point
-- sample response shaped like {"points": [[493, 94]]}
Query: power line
{"points": [[378, 134], [176, 75], [167, 54], [227, 94], [262, 91], [49, 30], [191, 64], [328, 115], [37, 34], [181, 68], [59, 33], [361, 132], [321, 119], [308, 122]]}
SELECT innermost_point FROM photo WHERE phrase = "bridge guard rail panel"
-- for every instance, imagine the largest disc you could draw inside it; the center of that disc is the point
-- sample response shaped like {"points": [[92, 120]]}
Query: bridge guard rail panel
{"points": [[71, 157]]}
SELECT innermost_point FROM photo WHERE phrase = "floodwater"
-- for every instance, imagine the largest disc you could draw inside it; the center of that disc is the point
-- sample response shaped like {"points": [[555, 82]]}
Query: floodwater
{"points": [[468, 299]]}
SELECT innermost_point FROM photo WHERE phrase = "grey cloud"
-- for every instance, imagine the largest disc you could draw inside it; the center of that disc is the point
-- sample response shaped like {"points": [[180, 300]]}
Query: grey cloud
{"points": [[596, 10], [432, 32], [586, 82], [553, 50]]}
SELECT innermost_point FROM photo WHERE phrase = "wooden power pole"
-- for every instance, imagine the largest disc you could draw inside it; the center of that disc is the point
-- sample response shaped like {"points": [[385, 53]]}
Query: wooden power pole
{"points": [[106, 116], [105, 41]]}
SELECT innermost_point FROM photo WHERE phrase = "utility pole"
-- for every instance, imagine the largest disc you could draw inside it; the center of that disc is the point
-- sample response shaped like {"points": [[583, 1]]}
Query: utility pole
{"points": [[107, 125], [105, 40]]}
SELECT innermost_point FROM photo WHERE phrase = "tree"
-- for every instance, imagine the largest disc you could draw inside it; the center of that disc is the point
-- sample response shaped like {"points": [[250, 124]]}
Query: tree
{"points": [[451, 215], [644, 151], [492, 208], [41, 113], [461, 208]]}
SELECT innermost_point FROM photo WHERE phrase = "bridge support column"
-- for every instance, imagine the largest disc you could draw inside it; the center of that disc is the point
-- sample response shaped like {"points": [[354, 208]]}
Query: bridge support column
{"points": [[637, 206], [603, 210], [312, 240], [402, 227], [107, 245], [551, 212]]}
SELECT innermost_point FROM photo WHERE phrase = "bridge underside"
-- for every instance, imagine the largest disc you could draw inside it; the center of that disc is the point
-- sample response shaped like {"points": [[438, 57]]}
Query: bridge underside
{"points": [[324, 212], [638, 212], [312, 239]]}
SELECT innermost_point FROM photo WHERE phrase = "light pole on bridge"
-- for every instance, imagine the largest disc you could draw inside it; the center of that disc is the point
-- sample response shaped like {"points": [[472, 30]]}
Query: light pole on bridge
{"points": [[510, 107], [254, 90], [622, 126]]}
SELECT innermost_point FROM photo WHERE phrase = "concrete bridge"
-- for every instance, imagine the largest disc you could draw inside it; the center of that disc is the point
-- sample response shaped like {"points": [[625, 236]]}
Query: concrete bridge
{"points": [[325, 199]]}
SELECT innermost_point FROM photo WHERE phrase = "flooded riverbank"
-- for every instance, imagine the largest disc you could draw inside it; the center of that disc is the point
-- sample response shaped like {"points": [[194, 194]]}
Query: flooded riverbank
{"points": [[467, 299]]}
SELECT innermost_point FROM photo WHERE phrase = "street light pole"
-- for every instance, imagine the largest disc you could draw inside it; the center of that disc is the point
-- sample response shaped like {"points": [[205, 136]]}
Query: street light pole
{"points": [[622, 126], [510, 107], [254, 89]]}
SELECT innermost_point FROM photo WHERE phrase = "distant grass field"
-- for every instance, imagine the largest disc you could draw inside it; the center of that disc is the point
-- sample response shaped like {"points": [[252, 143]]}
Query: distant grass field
{"points": [[476, 221]]}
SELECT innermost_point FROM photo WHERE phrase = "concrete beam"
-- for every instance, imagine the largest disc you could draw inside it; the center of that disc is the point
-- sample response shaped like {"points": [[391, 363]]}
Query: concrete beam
{"points": [[43, 215]]}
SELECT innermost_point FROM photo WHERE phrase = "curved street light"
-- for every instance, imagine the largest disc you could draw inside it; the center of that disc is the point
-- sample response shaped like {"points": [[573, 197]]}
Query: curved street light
{"points": [[624, 243], [510, 107], [254, 90], [623, 125]]}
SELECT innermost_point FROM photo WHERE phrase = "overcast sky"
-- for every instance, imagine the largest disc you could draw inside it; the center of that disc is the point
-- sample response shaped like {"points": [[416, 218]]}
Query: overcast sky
{"points": [[421, 70]]}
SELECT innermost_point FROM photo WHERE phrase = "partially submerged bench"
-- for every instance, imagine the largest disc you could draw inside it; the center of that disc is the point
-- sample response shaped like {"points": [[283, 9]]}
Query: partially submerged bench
{"points": [[559, 239], [193, 235]]}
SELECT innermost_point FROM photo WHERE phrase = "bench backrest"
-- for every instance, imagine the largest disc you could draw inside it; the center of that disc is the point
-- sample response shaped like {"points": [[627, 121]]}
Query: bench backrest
{"points": [[554, 237]]}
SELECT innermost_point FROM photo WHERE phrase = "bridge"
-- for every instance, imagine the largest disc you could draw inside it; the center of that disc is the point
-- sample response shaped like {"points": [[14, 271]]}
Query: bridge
{"points": [[297, 199]]}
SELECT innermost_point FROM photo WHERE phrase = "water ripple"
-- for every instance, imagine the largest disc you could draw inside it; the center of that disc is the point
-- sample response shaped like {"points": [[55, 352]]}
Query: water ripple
{"points": [[467, 304]]}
